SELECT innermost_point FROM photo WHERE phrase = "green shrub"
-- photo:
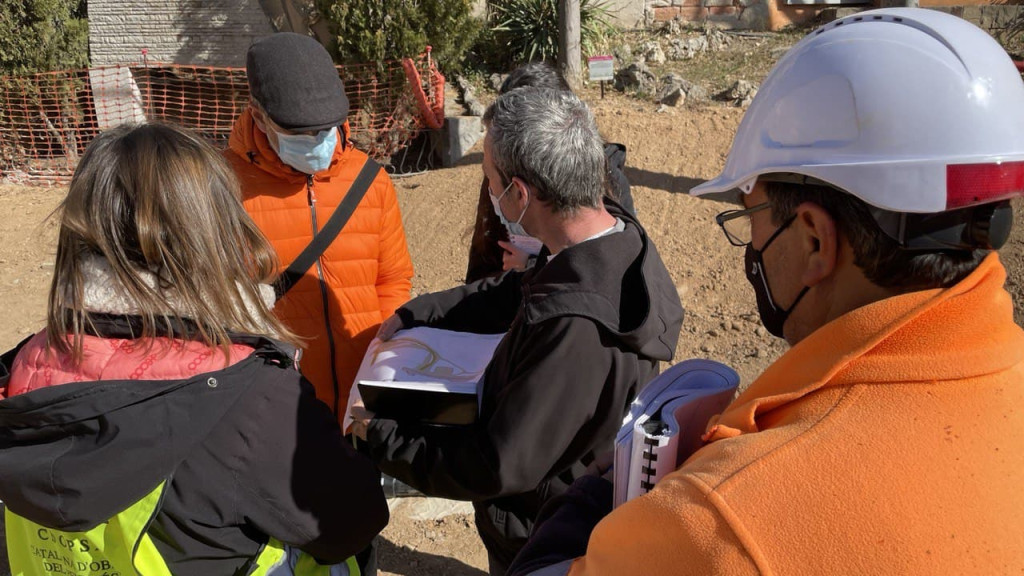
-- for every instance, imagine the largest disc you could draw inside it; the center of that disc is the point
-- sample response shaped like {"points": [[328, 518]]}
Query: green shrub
{"points": [[528, 29], [379, 30], [42, 35]]}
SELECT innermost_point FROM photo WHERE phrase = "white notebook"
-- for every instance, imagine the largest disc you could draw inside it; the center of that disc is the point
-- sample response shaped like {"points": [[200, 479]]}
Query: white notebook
{"points": [[665, 423]]}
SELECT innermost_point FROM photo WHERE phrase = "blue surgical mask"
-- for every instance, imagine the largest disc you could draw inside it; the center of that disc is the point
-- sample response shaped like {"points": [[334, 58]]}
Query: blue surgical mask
{"points": [[307, 153], [514, 228]]}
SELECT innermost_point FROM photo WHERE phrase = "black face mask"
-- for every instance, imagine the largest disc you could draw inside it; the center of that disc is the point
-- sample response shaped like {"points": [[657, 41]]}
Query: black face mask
{"points": [[772, 316]]}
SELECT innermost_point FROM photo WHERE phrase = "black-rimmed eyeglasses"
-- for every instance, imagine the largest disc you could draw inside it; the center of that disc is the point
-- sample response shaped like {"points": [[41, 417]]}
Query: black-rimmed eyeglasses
{"points": [[736, 224]]}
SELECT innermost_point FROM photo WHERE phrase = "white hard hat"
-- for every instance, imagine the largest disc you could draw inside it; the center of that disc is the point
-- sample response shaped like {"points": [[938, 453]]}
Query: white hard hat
{"points": [[908, 109]]}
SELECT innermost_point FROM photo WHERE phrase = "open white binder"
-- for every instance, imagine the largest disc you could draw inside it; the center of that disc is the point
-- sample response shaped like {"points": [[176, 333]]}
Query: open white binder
{"points": [[424, 360], [665, 423]]}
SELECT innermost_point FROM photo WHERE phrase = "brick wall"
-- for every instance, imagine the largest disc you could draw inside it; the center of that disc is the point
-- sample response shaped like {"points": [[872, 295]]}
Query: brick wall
{"points": [[692, 10], [210, 32]]}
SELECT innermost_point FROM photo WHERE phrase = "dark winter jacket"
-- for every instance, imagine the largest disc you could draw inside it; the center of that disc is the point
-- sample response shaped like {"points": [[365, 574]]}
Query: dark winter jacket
{"points": [[586, 330], [485, 253], [248, 449]]}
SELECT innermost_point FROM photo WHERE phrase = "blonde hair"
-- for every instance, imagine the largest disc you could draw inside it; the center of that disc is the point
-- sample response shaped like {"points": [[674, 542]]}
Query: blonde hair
{"points": [[159, 203]]}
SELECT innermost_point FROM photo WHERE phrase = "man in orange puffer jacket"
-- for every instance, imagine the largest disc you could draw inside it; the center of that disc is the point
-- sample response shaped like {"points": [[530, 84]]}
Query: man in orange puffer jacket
{"points": [[293, 157]]}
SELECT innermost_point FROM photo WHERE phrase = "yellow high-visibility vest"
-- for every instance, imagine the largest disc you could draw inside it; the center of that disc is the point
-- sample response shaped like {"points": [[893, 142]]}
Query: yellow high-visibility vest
{"points": [[121, 547]]}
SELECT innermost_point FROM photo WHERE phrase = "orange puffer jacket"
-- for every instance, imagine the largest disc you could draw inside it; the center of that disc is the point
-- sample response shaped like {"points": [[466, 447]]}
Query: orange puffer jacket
{"points": [[362, 277]]}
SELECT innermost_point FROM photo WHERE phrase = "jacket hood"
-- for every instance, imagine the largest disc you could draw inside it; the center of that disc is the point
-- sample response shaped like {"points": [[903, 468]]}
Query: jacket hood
{"points": [[618, 281], [75, 455], [251, 144]]}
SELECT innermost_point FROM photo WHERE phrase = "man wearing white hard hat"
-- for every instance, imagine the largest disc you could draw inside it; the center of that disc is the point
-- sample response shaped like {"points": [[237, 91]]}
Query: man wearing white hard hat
{"points": [[875, 166]]}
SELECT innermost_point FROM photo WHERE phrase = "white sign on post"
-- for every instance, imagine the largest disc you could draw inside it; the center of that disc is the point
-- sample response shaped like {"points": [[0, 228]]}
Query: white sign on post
{"points": [[601, 68]]}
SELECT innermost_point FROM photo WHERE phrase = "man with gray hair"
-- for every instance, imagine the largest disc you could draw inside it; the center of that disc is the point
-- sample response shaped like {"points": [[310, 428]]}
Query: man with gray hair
{"points": [[586, 328]]}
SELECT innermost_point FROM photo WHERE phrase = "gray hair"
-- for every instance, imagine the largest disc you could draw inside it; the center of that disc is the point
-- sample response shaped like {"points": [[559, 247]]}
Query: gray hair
{"points": [[548, 138]]}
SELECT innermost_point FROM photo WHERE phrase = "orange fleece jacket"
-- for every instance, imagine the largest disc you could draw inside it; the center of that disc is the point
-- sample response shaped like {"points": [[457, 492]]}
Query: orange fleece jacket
{"points": [[367, 269], [890, 441]]}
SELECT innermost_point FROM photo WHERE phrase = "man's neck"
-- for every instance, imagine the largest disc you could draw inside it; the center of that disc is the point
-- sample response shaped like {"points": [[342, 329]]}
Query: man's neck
{"points": [[565, 231], [847, 290]]}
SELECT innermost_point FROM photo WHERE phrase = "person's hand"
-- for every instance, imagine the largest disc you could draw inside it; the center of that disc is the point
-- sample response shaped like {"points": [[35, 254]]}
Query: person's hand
{"points": [[360, 419], [602, 465], [513, 258], [389, 327]]}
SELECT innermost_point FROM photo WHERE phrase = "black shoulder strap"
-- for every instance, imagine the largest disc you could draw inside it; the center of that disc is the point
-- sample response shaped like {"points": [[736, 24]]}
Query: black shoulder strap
{"points": [[330, 231]]}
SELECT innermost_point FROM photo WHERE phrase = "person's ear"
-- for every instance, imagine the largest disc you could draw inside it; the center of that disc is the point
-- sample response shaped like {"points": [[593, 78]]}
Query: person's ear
{"points": [[819, 242], [522, 190]]}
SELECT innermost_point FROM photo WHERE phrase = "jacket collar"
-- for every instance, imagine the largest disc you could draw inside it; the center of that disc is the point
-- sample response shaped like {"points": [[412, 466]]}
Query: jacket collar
{"points": [[961, 332], [249, 142], [102, 292]]}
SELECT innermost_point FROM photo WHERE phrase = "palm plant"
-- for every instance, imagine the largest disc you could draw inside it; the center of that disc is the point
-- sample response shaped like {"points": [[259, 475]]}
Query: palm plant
{"points": [[529, 28]]}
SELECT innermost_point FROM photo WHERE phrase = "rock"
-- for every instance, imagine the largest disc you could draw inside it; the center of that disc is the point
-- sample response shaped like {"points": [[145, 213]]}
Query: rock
{"points": [[674, 98], [713, 333], [716, 39], [675, 50], [684, 49], [475, 108], [661, 109], [694, 92], [636, 76], [623, 53], [671, 94], [674, 90], [761, 331], [741, 93], [671, 80], [497, 80], [651, 52]]}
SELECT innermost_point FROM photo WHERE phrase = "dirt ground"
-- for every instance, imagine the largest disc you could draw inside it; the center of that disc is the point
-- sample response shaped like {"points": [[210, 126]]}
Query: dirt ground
{"points": [[669, 152]]}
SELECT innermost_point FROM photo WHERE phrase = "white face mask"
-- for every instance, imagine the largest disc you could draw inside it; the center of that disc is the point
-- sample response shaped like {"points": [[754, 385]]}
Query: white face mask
{"points": [[516, 233], [306, 153], [514, 228]]}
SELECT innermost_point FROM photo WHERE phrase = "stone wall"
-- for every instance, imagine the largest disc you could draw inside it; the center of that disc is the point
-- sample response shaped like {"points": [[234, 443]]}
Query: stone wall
{"points": [[207, 32]]}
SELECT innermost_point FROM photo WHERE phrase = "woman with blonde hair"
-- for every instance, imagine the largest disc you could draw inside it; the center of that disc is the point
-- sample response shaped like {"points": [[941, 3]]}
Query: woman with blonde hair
{"points": [[159, 423]]}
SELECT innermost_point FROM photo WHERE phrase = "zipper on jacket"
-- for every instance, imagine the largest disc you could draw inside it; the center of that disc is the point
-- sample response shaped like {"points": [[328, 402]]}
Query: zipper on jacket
{"points": [[311, 198]]}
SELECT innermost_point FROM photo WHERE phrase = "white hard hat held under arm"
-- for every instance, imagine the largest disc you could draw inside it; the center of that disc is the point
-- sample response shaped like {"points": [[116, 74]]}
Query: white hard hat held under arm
{"points": [[910, 110]]}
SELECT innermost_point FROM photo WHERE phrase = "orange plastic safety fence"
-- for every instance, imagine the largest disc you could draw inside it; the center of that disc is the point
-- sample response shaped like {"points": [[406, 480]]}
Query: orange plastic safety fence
{"points": [[47, 119]]}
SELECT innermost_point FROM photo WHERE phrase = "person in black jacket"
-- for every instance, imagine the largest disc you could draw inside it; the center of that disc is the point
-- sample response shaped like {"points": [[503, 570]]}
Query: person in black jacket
{"points": [[490, 251], [159, 423], [586, 328]]}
